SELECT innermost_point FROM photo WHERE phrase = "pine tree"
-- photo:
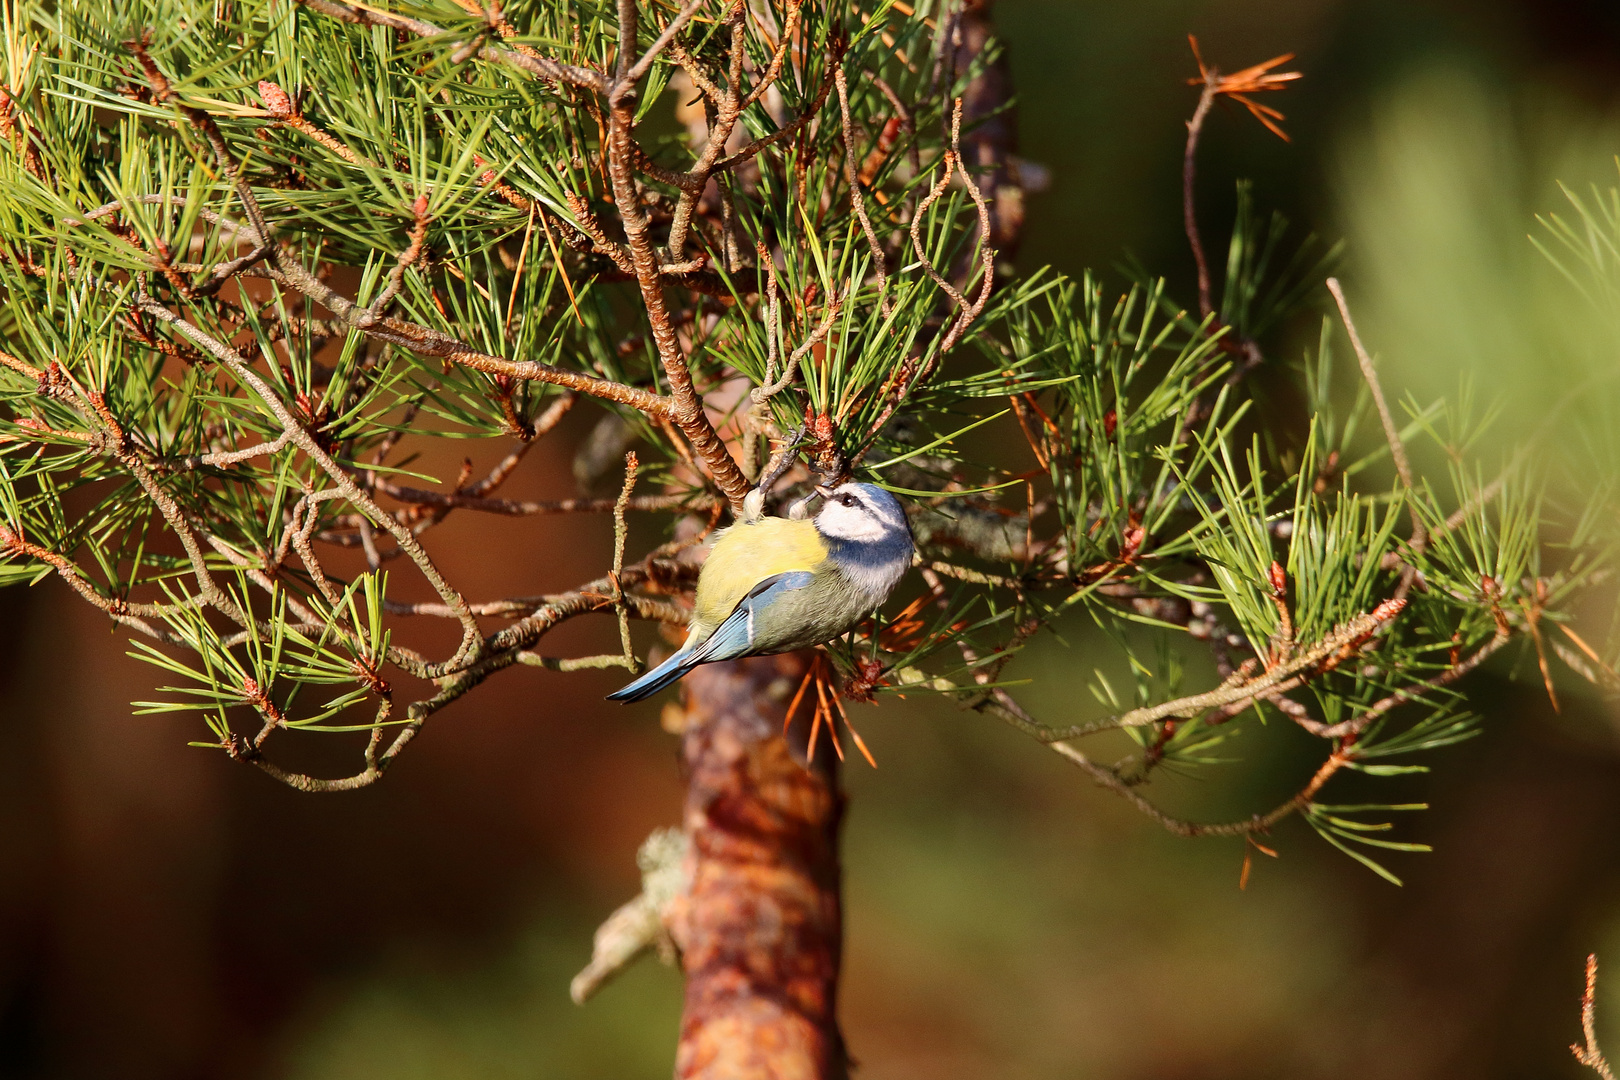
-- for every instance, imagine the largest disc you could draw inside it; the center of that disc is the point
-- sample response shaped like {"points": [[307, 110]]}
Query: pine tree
{"points": [[256, 253]]}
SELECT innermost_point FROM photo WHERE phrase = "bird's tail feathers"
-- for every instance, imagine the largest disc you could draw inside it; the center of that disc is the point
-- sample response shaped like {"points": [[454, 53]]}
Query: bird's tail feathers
{"points": [[658, 678]]}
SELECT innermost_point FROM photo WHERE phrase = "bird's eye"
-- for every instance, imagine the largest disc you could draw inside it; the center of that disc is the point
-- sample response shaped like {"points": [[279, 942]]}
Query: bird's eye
{"points": [[847, 500]]}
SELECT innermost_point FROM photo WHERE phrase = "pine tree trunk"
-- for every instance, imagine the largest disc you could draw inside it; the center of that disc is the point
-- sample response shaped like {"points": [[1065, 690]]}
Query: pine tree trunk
{"points": [[760, 928]]}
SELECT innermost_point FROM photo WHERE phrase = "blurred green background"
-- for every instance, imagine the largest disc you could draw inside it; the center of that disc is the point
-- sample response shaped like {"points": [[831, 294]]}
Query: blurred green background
{"points": [[164, 914]]}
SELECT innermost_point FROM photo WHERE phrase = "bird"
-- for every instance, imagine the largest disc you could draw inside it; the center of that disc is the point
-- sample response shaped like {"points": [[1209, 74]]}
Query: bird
{"points": [[773, 585]]}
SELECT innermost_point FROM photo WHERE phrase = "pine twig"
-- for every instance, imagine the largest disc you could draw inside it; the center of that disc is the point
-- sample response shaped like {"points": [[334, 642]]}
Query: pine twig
{"points": [[621, 533], [1397, 449], [1590, 1055]]}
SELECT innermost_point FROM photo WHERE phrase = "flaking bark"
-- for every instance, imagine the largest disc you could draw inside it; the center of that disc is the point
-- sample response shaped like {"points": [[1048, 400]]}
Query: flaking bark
{"points": [[760, 928]]}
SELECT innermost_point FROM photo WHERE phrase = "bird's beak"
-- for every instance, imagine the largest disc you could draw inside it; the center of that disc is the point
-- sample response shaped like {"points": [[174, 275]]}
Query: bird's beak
{"points": [[824, 492]]}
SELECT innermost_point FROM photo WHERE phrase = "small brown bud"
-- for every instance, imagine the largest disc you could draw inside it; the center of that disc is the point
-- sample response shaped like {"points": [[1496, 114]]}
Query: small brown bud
{"points": [[276, 101], [1279, 580]]}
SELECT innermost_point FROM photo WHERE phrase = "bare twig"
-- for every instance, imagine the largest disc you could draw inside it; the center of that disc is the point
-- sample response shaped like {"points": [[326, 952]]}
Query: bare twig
{"points": [[279, 104], [792, 127], [1260, 823], [987, 253], [621, 532], [628, 77], [1358, 724], [1327, 654], [1241, 87], [623, 58], [222, 459], [762, 394], [1397, 449], [857, 200], [1189, 172], [966, 310], [687, 412], [1590, 1055], [412, 252], [508, 647], [917, 220], [579, 663], [134, 616], [531, 507]]}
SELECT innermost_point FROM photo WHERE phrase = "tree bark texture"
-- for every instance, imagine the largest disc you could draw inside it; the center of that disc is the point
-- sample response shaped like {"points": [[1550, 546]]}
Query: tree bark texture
{"points": [[760, 926]]}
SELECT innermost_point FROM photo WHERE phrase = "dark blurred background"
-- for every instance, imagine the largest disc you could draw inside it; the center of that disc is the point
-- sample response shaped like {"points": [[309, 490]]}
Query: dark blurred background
{"points": [[164, 913]]}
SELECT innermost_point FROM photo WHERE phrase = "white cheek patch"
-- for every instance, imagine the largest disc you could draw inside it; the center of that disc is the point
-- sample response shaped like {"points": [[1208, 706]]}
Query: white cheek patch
{"points": [[850, 523]]}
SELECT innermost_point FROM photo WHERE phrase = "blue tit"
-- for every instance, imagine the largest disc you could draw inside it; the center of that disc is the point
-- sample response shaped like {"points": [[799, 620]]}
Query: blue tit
{"points": [[772, 585]]}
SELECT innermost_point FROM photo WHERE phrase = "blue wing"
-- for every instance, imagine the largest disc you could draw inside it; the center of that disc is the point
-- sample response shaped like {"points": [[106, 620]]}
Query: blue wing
{"points": [[733, 638]]}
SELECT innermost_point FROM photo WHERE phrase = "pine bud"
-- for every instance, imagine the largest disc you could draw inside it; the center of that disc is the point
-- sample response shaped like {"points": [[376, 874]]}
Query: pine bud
{"points": [[276, 101]]}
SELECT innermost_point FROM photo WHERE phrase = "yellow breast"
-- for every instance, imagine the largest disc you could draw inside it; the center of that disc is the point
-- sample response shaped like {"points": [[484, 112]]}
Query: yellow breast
{"points": [[748, 553]]}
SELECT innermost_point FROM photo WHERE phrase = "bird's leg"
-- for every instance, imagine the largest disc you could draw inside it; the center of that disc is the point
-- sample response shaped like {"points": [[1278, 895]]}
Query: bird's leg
{"points": [[780, 463]]}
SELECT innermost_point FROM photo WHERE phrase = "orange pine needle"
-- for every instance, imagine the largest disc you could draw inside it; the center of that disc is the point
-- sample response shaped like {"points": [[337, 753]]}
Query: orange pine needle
{"points": [[822, 708], [902, 633], [827, 699], [1198, 56], [815, 730], [1546, 669], [1051, 425], [1251, 80], [1591, 653], [793, 708], [832, 733], [1250, 845], [911, 609], [860, 743]]}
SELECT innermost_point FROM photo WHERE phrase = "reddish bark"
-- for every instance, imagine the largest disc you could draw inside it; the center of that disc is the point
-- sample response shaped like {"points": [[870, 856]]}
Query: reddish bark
{"points": [[760, 928]]}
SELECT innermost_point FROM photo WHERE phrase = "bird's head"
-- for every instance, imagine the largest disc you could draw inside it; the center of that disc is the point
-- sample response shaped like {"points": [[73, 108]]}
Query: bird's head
{"points": [[862, 514]]}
